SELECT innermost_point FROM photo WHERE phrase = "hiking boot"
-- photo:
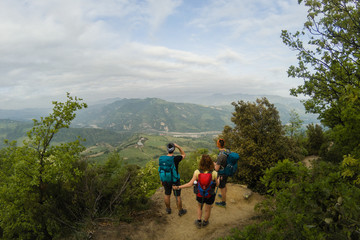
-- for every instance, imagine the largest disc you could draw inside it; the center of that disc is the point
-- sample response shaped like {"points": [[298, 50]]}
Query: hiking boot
{"points": [[168, 210], [182, 212], [198, 223], [205, 223], [221, 204]]}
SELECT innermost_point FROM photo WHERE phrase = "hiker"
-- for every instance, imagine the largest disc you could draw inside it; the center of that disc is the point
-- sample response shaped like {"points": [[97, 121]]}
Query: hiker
{"points": [[220, 165], [169, 176], [204, 180]]}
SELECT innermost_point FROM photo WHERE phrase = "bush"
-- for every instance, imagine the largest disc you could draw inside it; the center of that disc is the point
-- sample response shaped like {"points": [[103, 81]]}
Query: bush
{"points": [[318, 205], [315, 139], [283, 175], [260, 140], [188, 165]]}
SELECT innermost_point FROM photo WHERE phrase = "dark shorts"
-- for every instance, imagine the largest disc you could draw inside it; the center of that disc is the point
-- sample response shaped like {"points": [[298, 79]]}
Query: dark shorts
{"points": [[208, 201], [223, 181], [168, 188]]}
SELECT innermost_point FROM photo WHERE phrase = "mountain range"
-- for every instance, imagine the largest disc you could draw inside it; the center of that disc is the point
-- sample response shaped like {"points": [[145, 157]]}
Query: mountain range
{"points": [[198, 114], [153, 115]]}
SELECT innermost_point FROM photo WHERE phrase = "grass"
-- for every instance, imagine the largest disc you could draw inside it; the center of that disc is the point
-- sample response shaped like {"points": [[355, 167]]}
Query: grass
{"points": [[152, 147], [134, 149]]}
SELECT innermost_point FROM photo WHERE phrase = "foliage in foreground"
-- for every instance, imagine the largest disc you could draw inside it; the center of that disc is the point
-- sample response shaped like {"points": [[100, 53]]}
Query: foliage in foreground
{"points": [[322, 202], [329, 64], [31, 176], [317, 203], [260, 140], [49, 191]]}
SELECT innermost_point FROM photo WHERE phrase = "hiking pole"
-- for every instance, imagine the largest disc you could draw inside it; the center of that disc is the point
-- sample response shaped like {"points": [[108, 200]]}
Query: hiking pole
{"points": [[217, 187]]}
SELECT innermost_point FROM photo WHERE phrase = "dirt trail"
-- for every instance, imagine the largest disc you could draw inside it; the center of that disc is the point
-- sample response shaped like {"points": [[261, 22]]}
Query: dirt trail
{"points": [[156, 224]]}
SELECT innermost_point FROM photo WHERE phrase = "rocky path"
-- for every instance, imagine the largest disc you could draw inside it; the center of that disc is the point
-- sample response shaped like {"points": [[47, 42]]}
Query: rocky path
{"points": [[156, 224]]}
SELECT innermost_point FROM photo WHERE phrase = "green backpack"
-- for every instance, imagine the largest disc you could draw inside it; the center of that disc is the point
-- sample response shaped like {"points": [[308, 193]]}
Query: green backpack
{"points": [[167, 170], [231, 163]]}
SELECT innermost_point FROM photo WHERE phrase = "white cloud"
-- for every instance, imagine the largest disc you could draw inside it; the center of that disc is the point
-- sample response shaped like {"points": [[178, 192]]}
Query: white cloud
{"points": [[159, 10], [122, 48]]}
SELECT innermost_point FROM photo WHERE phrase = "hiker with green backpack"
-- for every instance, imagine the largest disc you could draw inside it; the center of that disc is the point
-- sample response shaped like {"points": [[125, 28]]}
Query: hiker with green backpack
{"points": [[226, 165], [204, 181], [169, 176]]}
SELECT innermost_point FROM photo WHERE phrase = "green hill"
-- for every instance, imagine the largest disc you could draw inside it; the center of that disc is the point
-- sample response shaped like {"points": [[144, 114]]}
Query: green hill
{"points": [[141, 148], [135, 148], [13, 130], [154, 115], [16, 131], [120, 126]]}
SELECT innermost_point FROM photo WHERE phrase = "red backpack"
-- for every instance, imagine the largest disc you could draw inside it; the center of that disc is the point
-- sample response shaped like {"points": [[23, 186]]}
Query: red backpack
{"points": [[205, 185]]}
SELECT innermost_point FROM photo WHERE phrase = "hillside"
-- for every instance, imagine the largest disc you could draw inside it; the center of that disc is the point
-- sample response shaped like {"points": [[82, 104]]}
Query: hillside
{"points": [[110, 125], [13, 130], [156, 224], [140, 148], [283, 104], [16, 131], [153, 115]]}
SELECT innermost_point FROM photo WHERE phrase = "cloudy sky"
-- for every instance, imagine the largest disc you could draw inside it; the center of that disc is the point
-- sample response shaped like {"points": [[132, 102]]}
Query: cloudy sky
{"points": [[143, 48]]}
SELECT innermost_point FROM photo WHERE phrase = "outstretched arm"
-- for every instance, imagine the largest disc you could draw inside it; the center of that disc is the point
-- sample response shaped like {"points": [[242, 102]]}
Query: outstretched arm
{"points": [[181, 150], [186, 185]]}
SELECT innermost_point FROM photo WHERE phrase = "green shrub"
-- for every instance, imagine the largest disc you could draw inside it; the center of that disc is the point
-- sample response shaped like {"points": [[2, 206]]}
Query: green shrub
{"points": [[318, 205], [283, 175]]}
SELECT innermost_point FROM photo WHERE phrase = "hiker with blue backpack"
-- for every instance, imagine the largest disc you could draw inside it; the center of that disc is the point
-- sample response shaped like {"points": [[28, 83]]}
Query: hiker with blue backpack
{"points": [[226, 165], [169, 176], [204, 181]]}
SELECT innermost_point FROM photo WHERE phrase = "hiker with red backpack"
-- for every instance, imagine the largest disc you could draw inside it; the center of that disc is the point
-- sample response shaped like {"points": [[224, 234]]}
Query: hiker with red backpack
{"points": [[169, 176], [204, 181], [226, 165]]}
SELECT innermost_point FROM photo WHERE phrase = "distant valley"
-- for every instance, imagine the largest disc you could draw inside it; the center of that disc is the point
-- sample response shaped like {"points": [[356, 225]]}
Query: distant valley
{"points": [[175, 114], [112, 126]]}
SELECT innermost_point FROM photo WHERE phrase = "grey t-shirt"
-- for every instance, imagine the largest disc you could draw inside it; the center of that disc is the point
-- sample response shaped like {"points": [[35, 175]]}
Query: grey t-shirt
{"points": [[221, 160]]}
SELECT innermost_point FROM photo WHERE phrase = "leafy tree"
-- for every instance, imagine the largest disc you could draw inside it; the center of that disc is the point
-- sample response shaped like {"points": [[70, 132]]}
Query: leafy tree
{"points": [[293, 130], [115, 190], [294, 126], [307, 204], [329, 64], [321, 204], [36, 177], [350, 170], [149, 178], [283, 174], [315, 138], [258, 137]]}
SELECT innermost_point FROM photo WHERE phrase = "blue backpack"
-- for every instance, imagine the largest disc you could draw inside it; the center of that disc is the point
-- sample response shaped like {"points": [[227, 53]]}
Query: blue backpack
{"points": [[167, 170], [231, 163]]}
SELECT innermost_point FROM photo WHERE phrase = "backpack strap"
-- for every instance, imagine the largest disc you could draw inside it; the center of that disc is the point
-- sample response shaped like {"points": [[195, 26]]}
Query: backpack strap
{"points": [[227, 152]]}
